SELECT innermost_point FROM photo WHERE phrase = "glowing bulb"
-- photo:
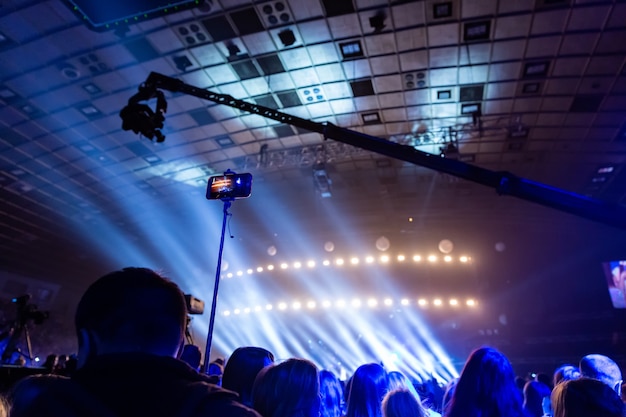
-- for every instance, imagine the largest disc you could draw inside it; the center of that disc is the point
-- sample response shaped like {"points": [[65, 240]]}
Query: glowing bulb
{"points": [[401, 258], [369, 259], [410, 219], [326, 304], [296, 305], [354, 261], [454, 302], [326, 262], [339, 261], [239, 273], [310, 264], [282, 306], [447, 258], [463, 259], [432, 258], [37, 359], [422, 302], [470, 302], [311, 304], [237, 311], [229, 275], [259, 269], [249, 271], [257, 308], [227, 313], [246, 310], [372, 302], [356, 303], [297, 265], [270, 267], [269, 307], [284, 266], [341, 303], [384, 259], [417, 258], [404, 301], [388, 301], [437, 302]]}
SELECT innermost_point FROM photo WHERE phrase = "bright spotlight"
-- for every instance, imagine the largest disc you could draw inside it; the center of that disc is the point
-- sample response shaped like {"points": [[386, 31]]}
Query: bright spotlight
{"points": [[259, 269], [356, 303], [341, 303], [372, 302], [227, 313], [239, 273], [229, 275], [470, 302], [432, 258], [326, 304], [369, 259], [237, 311], [270, 267], [268, 307], [250, 271], [296, 305], [417, 258], [326, 262], [404, 301], [246, 310], [422, 302], [447, 258], [463, 259], [437, 302], [310, 264], [297, 265], [311, 304], [257, 308], [284, 266], [354, 261], [401, 258], [384, 259], [454, 302], [282, 306], [388, 301], [339, 261]]}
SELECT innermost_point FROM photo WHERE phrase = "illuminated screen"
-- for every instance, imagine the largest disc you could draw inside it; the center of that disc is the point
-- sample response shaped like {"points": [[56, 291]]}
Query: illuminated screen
{"points": [[615, 272]]}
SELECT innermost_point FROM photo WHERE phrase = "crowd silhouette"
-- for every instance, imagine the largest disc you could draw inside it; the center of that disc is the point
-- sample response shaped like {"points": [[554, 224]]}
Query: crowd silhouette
{"points": [[132, 360]]}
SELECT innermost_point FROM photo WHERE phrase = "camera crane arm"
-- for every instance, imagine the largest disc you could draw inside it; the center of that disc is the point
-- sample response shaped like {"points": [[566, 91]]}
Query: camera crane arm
{"points": [[502, 181]]}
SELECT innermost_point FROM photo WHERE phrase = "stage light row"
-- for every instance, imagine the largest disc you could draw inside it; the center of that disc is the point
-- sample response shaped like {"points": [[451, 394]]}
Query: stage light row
{"points": [[354, 261], [371, 303]]}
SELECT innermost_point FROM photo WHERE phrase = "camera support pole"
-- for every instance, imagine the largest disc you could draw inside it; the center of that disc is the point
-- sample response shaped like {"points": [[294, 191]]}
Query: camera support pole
{"points": [[218, 271]]}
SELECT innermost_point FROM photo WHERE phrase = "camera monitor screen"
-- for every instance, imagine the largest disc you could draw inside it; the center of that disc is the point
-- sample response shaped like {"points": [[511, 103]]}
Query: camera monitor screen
{"points": [[615, 273], [229, 187]]}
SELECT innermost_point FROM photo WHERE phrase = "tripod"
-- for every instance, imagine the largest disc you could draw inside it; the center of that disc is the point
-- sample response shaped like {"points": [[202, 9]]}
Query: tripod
{"points": [[18, 327]]}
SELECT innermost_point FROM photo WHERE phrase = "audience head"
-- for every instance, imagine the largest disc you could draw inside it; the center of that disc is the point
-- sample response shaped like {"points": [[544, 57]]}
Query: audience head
{"points": [[534, 393], [486, 387], [131, 310], [331, 395], [602, 368], [565, 373], [287, 389], [397, 380], [192, 356], [585, 397], [242, 368], [368, 386], [402, 403], [544, 379]]}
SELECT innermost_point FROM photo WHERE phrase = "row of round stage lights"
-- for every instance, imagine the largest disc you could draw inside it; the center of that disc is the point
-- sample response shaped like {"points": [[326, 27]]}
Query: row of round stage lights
{"points": [[383, 259], [372, 303]]}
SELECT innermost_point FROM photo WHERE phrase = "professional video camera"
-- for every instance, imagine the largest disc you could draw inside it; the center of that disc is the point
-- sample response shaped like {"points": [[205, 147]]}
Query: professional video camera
{"points": [[25, 313]]}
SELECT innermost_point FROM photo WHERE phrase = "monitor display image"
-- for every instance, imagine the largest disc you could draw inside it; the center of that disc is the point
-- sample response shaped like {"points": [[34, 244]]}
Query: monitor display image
{"points": [[615, 273]]}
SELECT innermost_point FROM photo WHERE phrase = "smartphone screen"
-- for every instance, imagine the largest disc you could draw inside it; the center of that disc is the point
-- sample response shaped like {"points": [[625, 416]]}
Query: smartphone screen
{"points": [[229, 186]]}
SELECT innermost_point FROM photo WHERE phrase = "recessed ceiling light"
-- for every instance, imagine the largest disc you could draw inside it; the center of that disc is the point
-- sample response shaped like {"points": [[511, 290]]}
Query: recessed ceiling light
{"points": [[536, 69], [371, 118], [442, 10], [477, 31], [91, 88], [351, 49], [470, 108], [444, 95]]}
